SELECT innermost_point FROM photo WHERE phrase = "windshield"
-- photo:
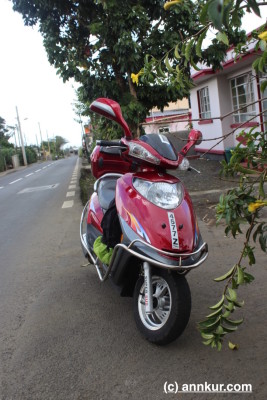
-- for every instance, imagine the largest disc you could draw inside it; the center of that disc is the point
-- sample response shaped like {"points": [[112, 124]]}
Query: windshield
{"points": [[161, 144]]}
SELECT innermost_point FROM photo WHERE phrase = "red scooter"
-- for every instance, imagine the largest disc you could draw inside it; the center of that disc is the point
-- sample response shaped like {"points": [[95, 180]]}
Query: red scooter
{"points": [[159, 240]]}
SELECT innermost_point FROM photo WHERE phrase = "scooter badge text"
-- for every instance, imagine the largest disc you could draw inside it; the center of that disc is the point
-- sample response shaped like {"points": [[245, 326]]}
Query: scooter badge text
{"points": [[174, 232]]}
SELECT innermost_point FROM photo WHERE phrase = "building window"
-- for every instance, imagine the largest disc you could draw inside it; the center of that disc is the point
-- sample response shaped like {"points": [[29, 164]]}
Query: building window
{"points": [[204, 103], [242, 94]]}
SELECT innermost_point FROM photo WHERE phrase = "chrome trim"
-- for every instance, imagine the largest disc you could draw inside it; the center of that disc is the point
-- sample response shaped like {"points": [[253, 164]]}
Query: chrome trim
{"points": [[166, 252], [104, 275], [148, 288]]}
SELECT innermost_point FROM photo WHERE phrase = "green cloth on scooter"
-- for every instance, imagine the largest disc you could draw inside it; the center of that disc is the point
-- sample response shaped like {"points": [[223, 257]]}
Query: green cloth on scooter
{"points": [[103, 253]]}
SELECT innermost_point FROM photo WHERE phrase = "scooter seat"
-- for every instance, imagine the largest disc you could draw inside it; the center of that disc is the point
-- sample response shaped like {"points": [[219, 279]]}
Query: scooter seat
{"points": [[106, 191]]}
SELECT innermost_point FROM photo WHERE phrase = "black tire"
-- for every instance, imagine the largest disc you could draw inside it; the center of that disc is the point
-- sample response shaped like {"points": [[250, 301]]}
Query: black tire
{"points": [[172, 307]]}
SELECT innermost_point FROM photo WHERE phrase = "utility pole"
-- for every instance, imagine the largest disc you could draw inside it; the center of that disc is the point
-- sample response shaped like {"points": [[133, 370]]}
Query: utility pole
{"points": [[42, 143], [21, 139], [48, 141]]}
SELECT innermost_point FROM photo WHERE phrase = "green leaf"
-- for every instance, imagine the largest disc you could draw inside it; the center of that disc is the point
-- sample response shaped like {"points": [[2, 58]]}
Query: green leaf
{"points": [[215, 313], [199, 43], [233, 346], [232, 294], [215, 11], [229, 329], [222, 37], [160, 72], [167, 63], [218, 305], [204, 13], [240, 276], [248, 277], [207, 335], [210, 324], [255, 64], [219, 346], [176, 53], [225, 276], [230, 306], [226, 314], [262, 45], [234, 323], [253, 4], [239, 304], [208, 342], [261, 186], [188, 49], [194, 65], [263, 85], [226, 13]]}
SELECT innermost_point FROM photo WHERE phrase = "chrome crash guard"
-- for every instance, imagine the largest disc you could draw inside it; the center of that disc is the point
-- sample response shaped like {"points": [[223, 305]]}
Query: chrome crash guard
{"points": [[137, 248]]}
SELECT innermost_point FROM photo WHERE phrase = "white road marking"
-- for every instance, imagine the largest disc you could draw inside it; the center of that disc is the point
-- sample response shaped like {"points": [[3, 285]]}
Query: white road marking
{"points": [[38, 188], [37, 170], [70, 194], [68, 204], [11, 183], [72, 187], [29, 175], [1, 187]]}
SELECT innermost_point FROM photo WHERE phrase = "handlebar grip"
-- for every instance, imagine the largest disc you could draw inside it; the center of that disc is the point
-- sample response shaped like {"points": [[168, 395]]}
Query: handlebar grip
{"points": [[108, 143]]}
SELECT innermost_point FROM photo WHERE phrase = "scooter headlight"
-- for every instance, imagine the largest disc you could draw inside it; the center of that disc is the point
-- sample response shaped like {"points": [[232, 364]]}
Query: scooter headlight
{"points": [[162, 194]]}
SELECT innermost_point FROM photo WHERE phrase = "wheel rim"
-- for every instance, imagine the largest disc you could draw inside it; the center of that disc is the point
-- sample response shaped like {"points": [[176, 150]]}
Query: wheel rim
{"points": [[162, 304]]}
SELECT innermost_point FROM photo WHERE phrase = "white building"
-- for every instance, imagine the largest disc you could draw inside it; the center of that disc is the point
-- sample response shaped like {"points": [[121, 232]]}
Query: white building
{"points": [[174, 118], [218, 96]]}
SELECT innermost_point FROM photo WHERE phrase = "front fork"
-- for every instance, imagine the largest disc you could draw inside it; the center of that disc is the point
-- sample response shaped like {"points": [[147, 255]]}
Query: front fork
{"points": [[148, 288]]}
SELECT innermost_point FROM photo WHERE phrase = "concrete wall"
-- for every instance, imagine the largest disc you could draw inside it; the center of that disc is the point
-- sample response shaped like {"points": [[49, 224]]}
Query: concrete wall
{"points": [[214, 128]]}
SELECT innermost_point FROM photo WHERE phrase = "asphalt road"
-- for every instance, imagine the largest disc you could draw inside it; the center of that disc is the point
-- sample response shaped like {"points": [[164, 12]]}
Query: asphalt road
{"points": [[65, 335]]}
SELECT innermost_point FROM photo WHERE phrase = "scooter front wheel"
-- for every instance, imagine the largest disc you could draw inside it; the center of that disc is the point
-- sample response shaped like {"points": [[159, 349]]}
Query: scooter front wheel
{"points": [[171, 307]]}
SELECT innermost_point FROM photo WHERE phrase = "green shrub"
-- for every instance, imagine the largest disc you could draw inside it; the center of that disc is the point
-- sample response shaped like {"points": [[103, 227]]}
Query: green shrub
{"points": [[6, 154], [2, 163], [31, 155]]}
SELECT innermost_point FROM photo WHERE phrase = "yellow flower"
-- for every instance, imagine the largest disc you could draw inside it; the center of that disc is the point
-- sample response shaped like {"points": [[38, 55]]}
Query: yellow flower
{"points": [[252, 207], [171, 3], [263, 36], [135, 77]]}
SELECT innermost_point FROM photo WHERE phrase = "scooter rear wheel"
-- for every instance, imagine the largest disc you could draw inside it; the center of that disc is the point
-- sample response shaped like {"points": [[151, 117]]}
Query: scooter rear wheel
{"points": [[171, 307]]}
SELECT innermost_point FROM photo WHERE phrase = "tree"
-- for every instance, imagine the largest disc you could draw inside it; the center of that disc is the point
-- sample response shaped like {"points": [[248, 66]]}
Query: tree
{"points": [[59, 143], [240, 206], [224, 19], [100, 43], [4, 134], [54, 145]]}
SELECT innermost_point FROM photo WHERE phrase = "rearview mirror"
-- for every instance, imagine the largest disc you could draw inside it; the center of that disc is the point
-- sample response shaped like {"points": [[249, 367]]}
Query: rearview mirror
{"points": [[111, 109], [195, 136]]}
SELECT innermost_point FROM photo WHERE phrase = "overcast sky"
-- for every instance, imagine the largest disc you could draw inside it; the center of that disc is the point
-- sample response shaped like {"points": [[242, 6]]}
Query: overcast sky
{"points": [[29, 82]]}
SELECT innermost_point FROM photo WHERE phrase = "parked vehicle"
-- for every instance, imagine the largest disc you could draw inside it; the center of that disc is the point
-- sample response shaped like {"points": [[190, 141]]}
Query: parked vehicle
{"points": [[157, 239]]}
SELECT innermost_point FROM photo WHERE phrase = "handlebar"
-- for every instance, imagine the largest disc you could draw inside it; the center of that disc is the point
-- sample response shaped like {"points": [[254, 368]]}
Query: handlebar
{"points": [[108, 143]]}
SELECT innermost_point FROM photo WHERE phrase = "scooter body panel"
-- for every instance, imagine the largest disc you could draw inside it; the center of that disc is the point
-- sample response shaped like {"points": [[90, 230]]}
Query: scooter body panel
{"points": [[95, 213], [172, 230]]}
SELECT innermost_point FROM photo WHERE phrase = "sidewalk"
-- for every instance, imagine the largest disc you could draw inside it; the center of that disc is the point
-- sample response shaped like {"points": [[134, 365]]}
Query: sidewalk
{"points": [[205, 187], [10, 171]]}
